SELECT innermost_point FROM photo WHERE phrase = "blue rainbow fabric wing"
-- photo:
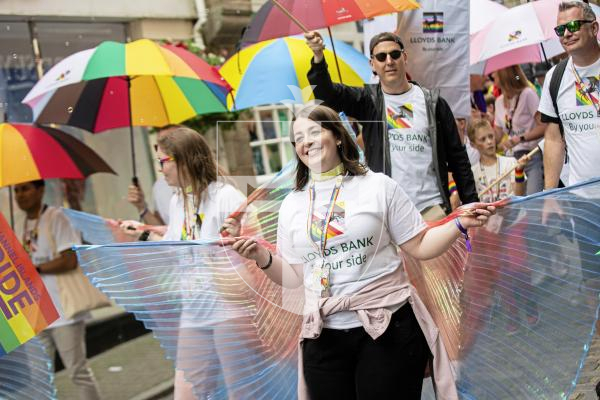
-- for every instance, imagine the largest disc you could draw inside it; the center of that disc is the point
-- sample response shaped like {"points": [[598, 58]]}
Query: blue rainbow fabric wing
{"points": [[516, 314], [27, 373]]}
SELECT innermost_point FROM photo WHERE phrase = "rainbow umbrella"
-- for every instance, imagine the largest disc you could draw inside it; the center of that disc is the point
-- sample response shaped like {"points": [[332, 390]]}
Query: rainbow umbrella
{"points": [[264, 72], [115, 85], [271, 22], [29, 153]]}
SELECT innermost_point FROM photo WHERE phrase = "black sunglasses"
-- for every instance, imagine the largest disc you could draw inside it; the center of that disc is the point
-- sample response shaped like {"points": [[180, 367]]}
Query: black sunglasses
{"points": [[381, 57], [572, 26]]}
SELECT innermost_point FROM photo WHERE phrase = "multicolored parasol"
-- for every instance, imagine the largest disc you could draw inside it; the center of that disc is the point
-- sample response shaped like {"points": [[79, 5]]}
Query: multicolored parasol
{"points": [[271, 22], [263, 73], [30, 152], [116, 85]]}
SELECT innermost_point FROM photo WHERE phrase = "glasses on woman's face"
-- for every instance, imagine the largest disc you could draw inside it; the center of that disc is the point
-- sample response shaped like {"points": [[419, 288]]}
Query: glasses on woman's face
{"points": [[571, 26], [163, 160], [382, 56]]}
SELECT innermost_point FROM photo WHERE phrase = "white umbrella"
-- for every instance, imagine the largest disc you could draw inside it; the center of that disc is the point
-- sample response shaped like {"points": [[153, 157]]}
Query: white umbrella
{"points": [[515, 36], [482, 13]]}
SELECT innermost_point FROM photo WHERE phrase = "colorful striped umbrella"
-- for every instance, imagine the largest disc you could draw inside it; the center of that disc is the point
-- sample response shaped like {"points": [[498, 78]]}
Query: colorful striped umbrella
{"points": [[30, 153], [115, 85], [262, 73], [271, 22]]}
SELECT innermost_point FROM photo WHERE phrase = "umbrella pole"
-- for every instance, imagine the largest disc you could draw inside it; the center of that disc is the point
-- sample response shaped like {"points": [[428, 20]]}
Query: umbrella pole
{"points": [[544, 54], [134, 179], [12, 211], [337, 64]]}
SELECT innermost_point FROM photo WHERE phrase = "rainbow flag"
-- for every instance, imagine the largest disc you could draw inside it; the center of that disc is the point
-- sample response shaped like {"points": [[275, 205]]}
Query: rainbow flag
{"points": [[584, 96], [400, 119], [336, 225], [25, 305]]}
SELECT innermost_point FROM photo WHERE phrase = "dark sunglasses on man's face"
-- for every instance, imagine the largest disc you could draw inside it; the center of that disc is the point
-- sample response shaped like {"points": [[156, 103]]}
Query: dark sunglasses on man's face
{"points": [[572, 26], [381, 57]]}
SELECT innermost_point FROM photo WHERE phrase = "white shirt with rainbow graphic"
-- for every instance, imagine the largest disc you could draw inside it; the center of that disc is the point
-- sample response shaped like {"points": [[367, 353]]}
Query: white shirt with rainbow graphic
{"points": [[410, 147]]}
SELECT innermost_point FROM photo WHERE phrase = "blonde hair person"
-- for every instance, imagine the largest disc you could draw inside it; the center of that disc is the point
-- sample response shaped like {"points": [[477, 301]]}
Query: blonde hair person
{"points": [[517, 122]]}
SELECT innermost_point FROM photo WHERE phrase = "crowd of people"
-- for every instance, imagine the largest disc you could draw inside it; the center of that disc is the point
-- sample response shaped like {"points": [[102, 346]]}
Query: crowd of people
{"points": [[421, 164]]}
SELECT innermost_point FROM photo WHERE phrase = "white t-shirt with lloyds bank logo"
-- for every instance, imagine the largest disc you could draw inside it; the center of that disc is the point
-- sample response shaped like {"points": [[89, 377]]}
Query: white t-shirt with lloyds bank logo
{"points": [[410, 147], [371, 215], [579, 118]]}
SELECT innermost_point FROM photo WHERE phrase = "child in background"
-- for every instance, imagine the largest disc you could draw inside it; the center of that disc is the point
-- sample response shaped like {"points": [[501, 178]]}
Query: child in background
{"points": [[490, 167]]}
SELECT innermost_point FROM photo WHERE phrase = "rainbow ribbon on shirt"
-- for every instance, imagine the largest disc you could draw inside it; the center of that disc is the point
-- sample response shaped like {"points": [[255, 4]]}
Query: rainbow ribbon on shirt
{"points": [[25, 306]]}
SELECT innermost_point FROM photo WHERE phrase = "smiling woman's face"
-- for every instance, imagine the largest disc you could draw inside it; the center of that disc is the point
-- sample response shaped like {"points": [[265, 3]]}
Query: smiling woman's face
{"points": [[316, 146]]}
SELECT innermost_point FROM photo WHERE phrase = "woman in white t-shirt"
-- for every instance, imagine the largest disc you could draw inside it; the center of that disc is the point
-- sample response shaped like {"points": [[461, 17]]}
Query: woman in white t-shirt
{"points": [[517, 122], [197, 212], [337, 235]]}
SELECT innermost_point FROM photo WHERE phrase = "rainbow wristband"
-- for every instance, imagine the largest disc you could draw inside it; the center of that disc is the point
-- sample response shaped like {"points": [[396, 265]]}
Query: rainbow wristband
{"points": [[519, 175], [452, 187]]}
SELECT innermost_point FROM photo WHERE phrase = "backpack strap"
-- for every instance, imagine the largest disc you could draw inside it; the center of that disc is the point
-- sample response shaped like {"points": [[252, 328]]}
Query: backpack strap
{"points": [[557, 76]]}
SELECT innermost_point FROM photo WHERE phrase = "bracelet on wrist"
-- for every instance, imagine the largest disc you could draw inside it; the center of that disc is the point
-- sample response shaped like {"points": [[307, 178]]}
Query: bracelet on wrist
{"points": [[452, 187], [268, 264], [144, 236], [519, 175], [464, 232], [143, 213]]}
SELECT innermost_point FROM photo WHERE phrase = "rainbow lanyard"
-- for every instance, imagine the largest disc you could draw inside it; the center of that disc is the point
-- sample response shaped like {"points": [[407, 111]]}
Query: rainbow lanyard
{"points": [[322, 272], [486, 182], [29, 239], [585, 92], [188, 230]]}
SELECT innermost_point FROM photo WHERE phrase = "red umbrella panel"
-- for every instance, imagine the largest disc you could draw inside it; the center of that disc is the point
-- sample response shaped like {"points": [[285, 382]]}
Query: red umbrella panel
{"points": [[271, 23]]}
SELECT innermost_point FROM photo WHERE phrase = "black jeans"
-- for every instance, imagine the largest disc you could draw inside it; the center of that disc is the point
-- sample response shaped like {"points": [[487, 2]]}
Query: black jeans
{"points": [[348, 364]]}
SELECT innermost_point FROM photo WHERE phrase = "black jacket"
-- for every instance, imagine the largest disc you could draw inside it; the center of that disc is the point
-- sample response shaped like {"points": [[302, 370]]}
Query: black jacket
{"points": [[367, 105]]}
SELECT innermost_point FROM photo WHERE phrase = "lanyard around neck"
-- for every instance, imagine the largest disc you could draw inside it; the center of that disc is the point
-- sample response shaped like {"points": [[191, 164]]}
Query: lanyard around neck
{"points": [[509, 114], [33, 236], [486, 182], [322, 245], [188, 231], [586, 93]]}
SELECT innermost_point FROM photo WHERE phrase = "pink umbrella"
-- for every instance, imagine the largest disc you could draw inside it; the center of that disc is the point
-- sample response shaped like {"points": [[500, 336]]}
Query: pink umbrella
{"points": [[515, 36]]}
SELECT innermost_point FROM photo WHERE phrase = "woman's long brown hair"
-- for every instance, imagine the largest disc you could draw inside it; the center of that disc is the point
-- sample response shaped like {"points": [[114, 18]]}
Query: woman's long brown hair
{"points": [[512, 80], [195, 162], [347, 151]]}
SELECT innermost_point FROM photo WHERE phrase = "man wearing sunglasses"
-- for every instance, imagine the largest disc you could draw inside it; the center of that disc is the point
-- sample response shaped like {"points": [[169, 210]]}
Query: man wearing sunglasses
{"points": [[577, 111], [570, 103], [409, 132]]}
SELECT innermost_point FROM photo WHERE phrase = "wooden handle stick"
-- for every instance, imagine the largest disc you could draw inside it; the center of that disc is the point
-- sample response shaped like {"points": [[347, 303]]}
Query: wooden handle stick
{"points": [[504, 175]]}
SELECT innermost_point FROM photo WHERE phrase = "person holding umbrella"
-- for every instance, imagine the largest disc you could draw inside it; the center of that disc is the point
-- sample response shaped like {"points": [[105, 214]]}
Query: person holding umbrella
{"points": [[47, 236], [366, 333], [409, 132]]}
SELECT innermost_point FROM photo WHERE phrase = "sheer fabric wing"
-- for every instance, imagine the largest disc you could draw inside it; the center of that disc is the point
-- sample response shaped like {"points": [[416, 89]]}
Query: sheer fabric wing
{"points": [[515, 313], [26, 373]]}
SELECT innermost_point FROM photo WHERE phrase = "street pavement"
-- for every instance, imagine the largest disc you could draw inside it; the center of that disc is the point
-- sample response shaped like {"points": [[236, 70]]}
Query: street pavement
{"points": [[138, 370]]}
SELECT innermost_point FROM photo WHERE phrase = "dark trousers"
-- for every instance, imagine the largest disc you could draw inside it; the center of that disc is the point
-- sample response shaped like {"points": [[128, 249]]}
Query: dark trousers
{"points": [[348, 364]]}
